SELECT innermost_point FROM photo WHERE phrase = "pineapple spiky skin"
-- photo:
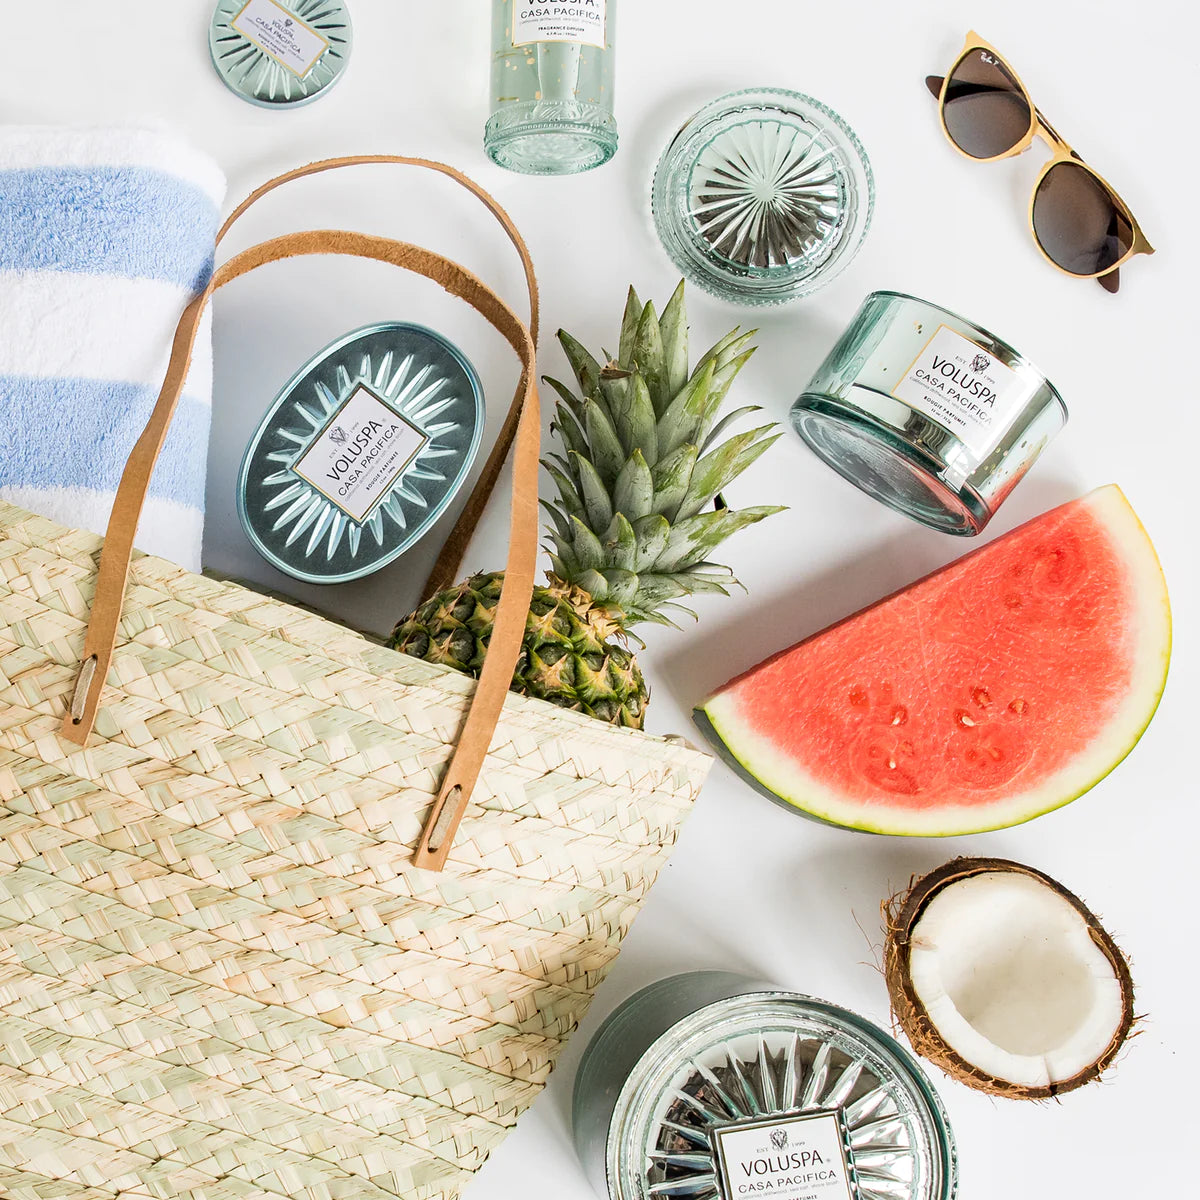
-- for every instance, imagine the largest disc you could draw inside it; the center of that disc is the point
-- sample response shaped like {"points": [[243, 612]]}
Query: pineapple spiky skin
{"points": [[568, 657], [636, 518]]}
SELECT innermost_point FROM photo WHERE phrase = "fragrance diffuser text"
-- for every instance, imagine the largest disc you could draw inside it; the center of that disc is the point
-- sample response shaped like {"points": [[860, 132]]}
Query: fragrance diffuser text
{"points": [[582, 21]]}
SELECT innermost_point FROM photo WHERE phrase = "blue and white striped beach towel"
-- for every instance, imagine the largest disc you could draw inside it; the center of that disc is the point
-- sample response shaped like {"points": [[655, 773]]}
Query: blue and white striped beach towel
{"points": [[104, 237]]}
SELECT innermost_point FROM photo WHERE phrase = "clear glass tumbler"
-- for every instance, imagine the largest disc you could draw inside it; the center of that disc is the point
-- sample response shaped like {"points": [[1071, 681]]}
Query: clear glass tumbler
{"points": [[552, 86]]}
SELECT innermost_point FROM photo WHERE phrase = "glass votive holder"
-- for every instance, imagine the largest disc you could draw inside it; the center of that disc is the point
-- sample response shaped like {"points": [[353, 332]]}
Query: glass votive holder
{"points": [[928, 412], [763, 196], [713, 1087]]}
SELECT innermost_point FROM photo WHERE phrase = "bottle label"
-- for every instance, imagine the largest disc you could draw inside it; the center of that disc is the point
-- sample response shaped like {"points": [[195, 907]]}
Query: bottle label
{"points": [[363, 449], [580, 21], [788, 1158], [966, 389], [281, 35]]}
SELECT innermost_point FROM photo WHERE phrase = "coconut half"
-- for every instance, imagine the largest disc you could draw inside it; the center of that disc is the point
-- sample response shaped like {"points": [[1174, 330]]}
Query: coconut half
{"points": [[1005, 980]]}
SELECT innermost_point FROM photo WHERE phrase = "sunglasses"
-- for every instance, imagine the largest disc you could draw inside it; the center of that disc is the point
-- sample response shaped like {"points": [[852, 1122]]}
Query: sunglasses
{"points": [[1079, 223]]}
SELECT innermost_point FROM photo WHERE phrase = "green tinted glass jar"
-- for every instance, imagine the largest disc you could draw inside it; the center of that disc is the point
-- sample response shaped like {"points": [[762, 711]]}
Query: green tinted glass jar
{"points": [[928, 412], [552, 86]]}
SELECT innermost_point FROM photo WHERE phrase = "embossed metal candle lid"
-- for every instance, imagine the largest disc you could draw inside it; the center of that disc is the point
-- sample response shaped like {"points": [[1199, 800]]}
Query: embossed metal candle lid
{"points": [[704, 1084], [763, 196], [280, 53], [360, 453]]}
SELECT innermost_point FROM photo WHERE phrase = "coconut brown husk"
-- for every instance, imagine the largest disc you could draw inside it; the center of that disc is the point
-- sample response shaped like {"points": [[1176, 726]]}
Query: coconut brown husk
{"points": [[901, 914]]}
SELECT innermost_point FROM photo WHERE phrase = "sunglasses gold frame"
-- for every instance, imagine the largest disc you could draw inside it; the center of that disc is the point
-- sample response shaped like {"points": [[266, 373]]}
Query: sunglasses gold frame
{"points": [[1061, 152]]}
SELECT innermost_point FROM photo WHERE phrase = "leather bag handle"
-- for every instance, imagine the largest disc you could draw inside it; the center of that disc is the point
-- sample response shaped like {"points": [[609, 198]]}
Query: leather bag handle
{"points": [[522, 428]]}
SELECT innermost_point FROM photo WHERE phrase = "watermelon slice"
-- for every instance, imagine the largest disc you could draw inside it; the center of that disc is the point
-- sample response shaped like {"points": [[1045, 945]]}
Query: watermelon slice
{"points": [[992, 691]]}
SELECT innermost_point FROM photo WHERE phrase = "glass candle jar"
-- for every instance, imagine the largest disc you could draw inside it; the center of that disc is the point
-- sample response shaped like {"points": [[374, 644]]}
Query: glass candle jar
{"points": [[552, 86], [706, 1085], [928, 412]]}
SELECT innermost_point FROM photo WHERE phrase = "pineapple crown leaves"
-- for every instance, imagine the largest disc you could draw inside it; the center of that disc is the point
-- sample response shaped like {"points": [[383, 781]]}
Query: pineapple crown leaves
{"points": [[643, 459]]}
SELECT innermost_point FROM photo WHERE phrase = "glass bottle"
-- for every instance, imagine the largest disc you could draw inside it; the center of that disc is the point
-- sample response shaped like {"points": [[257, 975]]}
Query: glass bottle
{"points": [[552, 86]]}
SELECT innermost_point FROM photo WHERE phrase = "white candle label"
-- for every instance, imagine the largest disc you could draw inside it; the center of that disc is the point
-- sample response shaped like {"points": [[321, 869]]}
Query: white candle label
{"points": [[361, 452], [793, 1158], [281, 35], [579, 21], [964, 388]]}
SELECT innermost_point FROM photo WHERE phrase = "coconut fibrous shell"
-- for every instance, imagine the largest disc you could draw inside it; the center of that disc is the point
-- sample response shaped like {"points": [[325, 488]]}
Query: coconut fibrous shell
{"points": [[903, 915]]}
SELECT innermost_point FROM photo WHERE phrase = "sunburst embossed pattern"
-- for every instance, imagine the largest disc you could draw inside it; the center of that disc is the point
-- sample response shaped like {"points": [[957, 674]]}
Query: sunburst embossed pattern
{"points": [[763, 196], [770, 1055], [260, 78], [418, 375]]}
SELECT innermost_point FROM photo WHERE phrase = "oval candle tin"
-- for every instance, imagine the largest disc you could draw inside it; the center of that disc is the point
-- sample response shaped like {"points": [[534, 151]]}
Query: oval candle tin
{"points": [[928, 412], [360, 453], [712, 1087], [279, 54]]}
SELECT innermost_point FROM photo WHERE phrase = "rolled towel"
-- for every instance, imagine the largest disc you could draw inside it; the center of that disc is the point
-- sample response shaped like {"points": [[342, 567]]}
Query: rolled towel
{"points": [[105, 235]]}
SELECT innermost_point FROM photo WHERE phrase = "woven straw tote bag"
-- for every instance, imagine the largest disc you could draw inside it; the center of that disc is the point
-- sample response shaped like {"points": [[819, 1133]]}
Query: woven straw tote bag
{"points": [[286, 915]]}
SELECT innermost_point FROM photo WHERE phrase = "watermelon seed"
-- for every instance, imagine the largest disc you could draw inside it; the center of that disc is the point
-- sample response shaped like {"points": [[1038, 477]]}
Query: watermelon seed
{"points": [[1012, 600], [981, 697], [859, 697], [1019, 707], [899, 714], [964, 719]]}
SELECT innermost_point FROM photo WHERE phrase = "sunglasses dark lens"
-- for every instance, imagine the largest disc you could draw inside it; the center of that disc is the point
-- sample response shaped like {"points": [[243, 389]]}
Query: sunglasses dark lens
{"points": [[1078, 222], [985, 111]]}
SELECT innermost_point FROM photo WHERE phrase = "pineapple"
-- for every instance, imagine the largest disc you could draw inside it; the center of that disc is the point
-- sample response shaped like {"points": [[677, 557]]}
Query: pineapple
{"points": [[637, 515]]}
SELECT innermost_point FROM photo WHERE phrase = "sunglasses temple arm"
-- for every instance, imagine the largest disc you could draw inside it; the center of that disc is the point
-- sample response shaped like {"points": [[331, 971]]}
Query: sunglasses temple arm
{"points": [[1053, 133], [934, 84]]}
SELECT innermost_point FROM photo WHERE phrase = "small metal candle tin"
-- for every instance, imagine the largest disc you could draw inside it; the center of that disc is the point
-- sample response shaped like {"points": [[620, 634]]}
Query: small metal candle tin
{"points": [[360, 453], [280, 53], [928, 412], [704, 1084]]}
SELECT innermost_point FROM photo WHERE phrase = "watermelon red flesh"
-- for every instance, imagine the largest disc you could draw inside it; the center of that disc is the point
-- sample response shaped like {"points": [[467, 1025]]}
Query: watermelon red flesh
{"points": [[994, 690]]}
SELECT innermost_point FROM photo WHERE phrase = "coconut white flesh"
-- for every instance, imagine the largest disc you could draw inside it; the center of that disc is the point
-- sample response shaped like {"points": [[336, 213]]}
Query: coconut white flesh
{"points": [[1009, 975]]}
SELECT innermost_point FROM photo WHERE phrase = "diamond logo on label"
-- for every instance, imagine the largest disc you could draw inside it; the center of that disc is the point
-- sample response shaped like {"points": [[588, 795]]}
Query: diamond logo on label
{"points": [[981, 362], [779, 1138], [339, 435]]}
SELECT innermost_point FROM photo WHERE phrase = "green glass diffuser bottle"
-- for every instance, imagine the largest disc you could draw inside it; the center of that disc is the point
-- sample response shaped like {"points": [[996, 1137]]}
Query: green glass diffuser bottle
{"points": [[552, 86]]}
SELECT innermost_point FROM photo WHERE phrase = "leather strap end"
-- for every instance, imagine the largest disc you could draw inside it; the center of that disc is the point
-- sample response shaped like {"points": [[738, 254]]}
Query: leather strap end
{"points": [[441, 825], [80, 717]]}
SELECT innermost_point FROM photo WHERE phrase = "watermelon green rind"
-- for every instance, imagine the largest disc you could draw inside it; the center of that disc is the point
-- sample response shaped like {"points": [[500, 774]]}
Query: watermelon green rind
{"points": [[725, 753], [754, 757]]}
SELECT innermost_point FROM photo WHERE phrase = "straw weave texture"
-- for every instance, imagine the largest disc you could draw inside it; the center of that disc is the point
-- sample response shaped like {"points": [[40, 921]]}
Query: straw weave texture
{"points": [[220, 977]]}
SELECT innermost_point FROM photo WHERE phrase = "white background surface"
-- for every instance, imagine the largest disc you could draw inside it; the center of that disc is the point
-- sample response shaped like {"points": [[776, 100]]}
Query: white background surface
{"points": [[752, 887]]}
